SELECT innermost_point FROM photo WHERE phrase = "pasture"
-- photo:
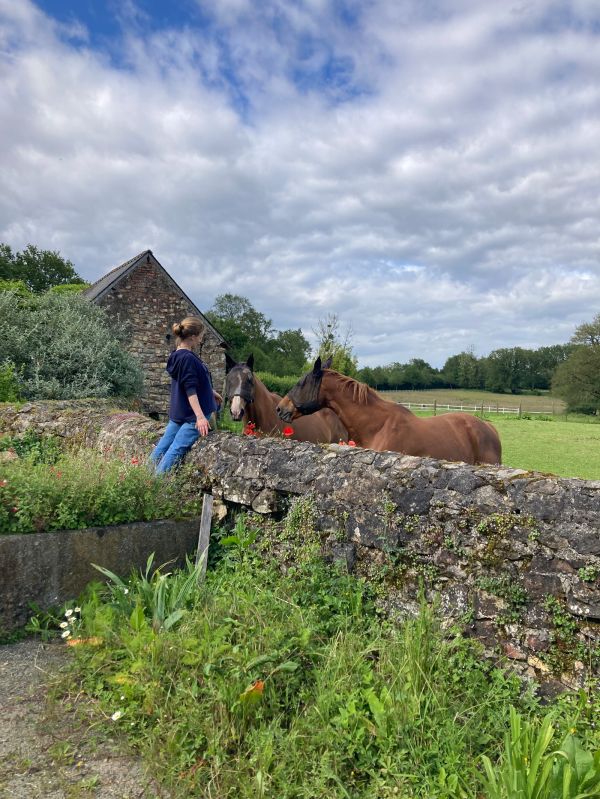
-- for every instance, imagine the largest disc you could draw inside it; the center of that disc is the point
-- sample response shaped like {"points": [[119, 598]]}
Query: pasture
{"points": [[473, 398], [565, 446]]}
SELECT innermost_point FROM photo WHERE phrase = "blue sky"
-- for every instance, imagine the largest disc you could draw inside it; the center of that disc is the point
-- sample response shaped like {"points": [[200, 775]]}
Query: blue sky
{"points": [[428, 171]]}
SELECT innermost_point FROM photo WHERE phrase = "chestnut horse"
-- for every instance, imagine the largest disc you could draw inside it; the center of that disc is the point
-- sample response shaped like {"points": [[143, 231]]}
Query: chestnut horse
{"points": [[378, 424], [251, 400]]}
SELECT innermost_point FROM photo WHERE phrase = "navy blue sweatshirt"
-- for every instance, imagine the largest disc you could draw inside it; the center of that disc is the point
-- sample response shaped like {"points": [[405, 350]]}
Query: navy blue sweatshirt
{"points": [[189, 375]]}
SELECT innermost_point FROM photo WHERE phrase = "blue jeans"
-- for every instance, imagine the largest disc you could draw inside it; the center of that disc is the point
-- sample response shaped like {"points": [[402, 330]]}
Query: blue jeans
{"points": [[176, 441]]}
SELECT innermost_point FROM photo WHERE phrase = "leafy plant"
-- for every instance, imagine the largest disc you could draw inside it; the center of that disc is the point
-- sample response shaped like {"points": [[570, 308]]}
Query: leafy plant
{"points": [[30, 444], [160, 597], [528, 770]]}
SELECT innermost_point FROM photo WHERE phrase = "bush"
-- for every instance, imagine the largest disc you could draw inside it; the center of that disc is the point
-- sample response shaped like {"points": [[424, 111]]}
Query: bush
{"points": [[65, 348], [9, 382], [277, 383]]}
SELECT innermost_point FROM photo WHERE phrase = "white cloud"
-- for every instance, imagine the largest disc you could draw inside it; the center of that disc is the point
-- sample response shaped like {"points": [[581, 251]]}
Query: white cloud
{"points": [[436, 188]]}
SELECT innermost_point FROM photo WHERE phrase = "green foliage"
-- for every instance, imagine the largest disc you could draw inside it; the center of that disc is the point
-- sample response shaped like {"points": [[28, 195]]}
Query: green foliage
{"points": [[280, 384], [86, 490], [17, 287], [38, 269], [70, 288], [577, 380], [9, 382], [32, 445], [530, 770], [291, 685], [249, 331], [64, 347], [152, 597], [335, 344]]}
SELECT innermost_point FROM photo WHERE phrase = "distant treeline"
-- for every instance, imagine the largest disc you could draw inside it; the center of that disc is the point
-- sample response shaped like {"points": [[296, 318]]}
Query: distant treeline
{"points": [[511, 370]]}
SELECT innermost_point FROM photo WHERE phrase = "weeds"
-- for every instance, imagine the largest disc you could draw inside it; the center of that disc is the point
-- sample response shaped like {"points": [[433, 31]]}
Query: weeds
{"points": [[291, 685]]}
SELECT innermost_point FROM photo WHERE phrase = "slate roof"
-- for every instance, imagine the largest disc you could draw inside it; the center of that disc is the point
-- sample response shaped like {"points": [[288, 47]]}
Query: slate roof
{"points": [[111, 279]]}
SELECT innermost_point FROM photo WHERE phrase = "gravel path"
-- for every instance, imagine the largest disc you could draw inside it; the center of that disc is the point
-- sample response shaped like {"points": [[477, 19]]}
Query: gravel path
{"points": [[49, 751]]}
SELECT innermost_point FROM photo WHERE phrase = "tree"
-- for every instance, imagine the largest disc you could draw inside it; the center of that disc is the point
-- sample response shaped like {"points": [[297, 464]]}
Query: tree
{"points": [[332, 341], [288, 352], [38, 269], [244, 328], [577, 380], [463, 371], [504, 370]]}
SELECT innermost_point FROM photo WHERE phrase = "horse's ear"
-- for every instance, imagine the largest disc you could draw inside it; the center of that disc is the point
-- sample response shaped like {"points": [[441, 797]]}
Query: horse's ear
{"points": [[250, 362], [317, 366], [229, 362], [327, 364]]}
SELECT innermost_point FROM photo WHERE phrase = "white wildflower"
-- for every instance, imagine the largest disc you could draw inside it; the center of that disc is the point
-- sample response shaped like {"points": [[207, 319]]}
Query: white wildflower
{"points": [[126, 591], [69, 612], [64, 624], [122, 698], [66, 634], [117, 715], [77, 610]]}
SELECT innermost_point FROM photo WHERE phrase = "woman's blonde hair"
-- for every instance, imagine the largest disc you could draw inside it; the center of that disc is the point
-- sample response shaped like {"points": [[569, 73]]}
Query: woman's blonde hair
{"points": [[190, 326]]}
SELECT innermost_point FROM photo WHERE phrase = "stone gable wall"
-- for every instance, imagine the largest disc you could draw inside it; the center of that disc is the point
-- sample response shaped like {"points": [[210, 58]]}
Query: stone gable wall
{"points": [[514, 556], [149, 305]]}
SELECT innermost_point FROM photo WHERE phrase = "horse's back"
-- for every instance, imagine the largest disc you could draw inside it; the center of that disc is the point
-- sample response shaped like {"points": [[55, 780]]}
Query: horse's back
{"points": [[482, 436]]}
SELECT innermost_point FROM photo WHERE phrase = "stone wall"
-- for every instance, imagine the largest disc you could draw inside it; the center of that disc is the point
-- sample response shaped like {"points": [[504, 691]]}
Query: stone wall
{"points": [[512, 555], [146, 300], [51, 568]]}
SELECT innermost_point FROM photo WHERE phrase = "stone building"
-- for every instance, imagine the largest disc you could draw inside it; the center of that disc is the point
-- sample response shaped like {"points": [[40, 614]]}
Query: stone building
{"points": [[142, 294]]}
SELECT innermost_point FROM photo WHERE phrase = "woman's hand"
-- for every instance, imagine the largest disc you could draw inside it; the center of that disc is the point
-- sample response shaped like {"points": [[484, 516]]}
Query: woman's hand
{"points": [[202, 425]]}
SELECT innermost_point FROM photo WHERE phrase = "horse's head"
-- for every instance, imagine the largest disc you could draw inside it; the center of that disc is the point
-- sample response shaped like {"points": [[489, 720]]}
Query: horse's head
{"points": [[239, 385], [303, 398]]}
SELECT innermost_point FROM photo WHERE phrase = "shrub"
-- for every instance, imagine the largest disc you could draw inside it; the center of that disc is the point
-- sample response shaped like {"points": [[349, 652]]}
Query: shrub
{"points": [[87, 490], [65, 348], [277, 383], [9, 382]]}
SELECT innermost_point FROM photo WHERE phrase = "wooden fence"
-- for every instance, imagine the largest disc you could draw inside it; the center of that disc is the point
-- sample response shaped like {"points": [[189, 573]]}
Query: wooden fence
{"points": [[440, 407]]}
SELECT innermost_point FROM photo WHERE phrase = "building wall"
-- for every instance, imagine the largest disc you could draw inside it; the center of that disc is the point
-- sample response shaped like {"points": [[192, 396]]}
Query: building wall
{"points": [[146, 301]]}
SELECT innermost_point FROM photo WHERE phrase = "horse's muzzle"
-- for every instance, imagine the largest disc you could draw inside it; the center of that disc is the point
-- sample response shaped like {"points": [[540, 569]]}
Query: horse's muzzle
{"points": [[285, 412]]}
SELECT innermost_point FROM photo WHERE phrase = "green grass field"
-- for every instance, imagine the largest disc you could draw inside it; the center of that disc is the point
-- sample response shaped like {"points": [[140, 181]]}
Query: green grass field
{"points": [[469, 397], [569, 449], [548, 444]]}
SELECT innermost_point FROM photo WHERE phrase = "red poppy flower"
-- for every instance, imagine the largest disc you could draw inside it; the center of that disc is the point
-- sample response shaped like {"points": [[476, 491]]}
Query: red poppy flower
{"points": [[3, 483], [288, 431], [135, 461], [249, 429], [351, 443]]}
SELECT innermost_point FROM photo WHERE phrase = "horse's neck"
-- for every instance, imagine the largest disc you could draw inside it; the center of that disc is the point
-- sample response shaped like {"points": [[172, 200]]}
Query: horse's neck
{"points": [[362, 419], [262, 410]]}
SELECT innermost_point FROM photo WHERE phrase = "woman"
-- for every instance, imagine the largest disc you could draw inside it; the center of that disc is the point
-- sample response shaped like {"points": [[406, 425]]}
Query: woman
{"points": [[192, 397]]}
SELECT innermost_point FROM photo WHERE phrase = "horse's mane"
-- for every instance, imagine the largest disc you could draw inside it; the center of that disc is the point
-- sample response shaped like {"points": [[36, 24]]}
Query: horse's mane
{"points": [[360, 391]]}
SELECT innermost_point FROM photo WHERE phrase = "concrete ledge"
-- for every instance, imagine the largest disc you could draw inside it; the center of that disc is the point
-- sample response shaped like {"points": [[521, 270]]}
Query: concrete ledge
{"points": [[51, 568]]}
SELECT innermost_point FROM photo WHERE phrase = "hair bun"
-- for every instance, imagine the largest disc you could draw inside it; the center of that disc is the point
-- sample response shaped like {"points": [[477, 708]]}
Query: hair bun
{"points": [[178, 329]]}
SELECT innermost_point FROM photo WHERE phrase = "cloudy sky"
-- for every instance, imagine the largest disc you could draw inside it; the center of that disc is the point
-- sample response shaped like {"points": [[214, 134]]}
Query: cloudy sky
{"points": [[428, 170]]}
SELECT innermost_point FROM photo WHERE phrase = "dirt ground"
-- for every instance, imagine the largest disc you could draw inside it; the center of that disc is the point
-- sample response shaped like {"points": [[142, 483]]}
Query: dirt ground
{"points": [[51, 751]]}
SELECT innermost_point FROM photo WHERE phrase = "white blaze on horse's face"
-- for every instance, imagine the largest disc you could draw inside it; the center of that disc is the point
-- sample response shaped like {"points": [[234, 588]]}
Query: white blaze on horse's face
{"points": [[238, 406], [240, 390]]}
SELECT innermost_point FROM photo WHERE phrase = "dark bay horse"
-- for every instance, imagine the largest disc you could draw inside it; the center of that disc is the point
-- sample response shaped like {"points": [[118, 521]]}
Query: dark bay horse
{"points": [[379, 424], [251, 400]]}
